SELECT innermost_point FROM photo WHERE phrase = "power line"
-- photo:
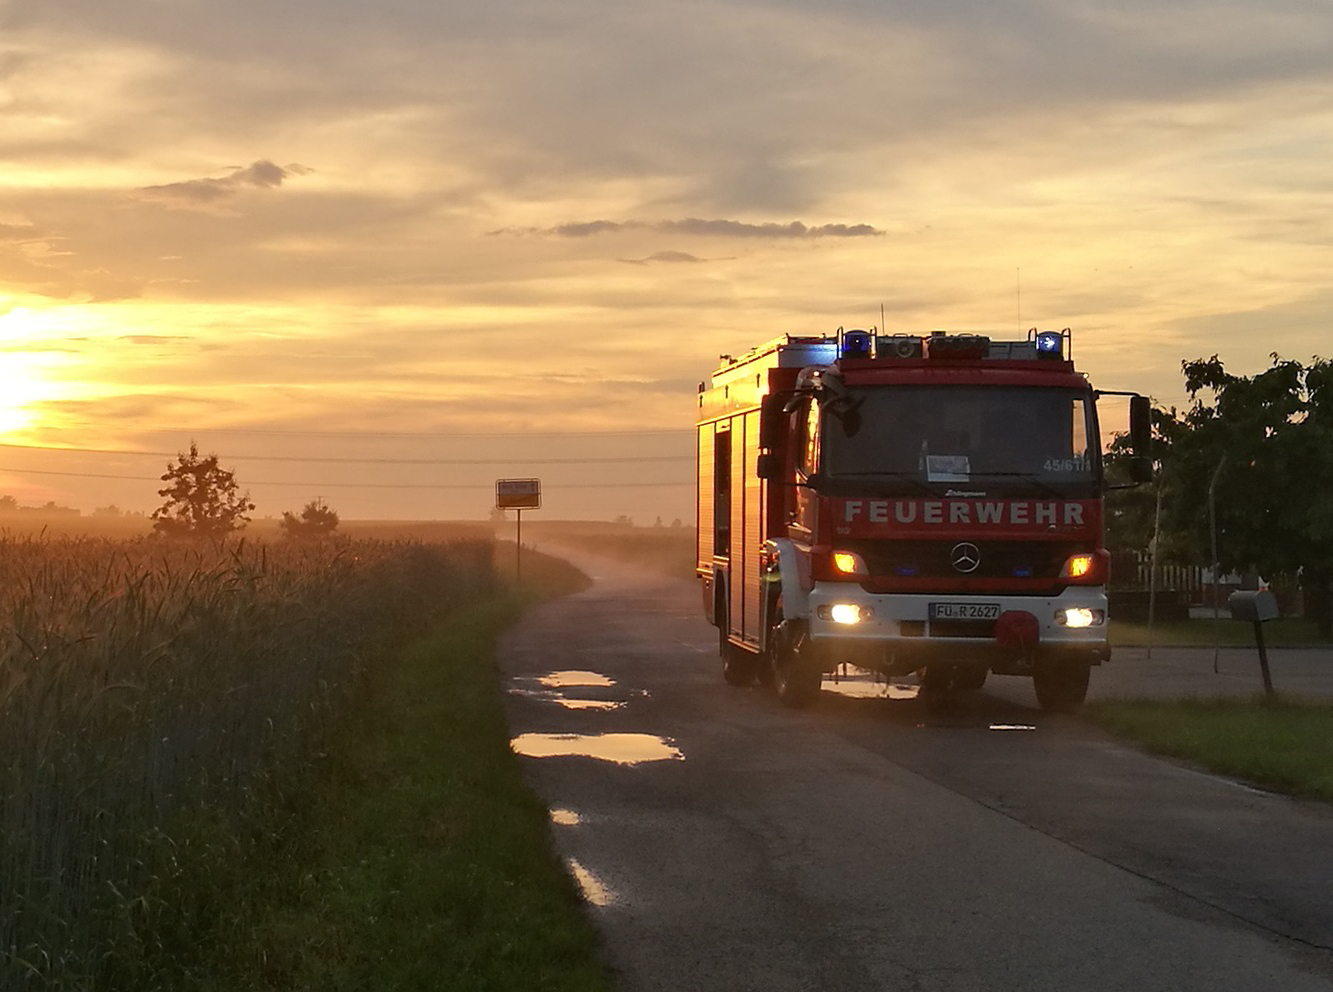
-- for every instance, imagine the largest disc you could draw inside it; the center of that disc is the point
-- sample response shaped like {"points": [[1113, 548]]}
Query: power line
{"points": [[368, 485], [664, 432], [364, 461]]}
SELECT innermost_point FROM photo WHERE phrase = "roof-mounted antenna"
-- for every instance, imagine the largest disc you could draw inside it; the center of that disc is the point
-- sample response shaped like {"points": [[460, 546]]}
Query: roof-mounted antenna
{"points": [[1018, 291]]}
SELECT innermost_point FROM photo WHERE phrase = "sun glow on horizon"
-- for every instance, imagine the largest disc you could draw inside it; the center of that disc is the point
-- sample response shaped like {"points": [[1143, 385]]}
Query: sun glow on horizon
{"points": [[25, 375], [22, 384]]}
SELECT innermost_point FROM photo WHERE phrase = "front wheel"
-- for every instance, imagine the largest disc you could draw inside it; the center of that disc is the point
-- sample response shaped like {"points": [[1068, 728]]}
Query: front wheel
{"points": [[1061, 687], [796, 675]]}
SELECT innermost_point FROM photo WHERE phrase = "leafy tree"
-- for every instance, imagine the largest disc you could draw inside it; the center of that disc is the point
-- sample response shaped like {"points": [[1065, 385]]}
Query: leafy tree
{"points": [[202, 499], [316, 520], [1268, 442]]}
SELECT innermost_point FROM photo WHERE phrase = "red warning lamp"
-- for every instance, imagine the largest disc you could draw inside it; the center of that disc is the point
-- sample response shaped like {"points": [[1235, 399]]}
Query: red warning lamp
{"points": [[957, 346]]}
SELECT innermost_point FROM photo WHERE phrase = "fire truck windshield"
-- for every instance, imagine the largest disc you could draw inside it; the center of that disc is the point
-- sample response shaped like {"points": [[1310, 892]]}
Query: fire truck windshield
{"points": [[998, 437]]}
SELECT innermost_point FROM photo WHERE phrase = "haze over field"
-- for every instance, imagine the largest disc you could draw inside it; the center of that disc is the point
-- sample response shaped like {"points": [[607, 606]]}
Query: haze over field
{"points": [[385, 254]]}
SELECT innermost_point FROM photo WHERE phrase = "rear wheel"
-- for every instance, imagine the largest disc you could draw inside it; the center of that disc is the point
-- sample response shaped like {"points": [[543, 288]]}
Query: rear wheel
{"points": [[739, 667], [1061, 687], [796, 674]]}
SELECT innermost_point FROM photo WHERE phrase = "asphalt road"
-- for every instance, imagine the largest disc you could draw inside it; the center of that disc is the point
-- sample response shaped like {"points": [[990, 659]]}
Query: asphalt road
{"points": [[727, 843]]}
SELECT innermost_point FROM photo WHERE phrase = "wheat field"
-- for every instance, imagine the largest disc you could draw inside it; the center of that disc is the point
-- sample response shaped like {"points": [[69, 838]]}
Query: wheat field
{"points": [[145, 685]]}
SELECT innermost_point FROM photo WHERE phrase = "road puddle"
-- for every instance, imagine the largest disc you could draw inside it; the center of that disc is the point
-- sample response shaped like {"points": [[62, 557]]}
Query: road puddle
{"points": [[1011, 726], [594, 890], [561, 688], [565, 818], [567, 702], [866, 686], [568, 680], [620, 749]]}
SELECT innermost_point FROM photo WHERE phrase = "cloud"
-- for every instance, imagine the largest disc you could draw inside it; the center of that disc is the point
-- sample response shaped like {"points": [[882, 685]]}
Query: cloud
{"points": [[206, 193], [670, 257], [706, 228], [152, 338]]}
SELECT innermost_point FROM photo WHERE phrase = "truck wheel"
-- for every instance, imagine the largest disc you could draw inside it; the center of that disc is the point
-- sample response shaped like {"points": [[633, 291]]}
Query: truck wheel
{"points": [[970, 678], [937, 686], [796, 676], [739, 666], [1061, 687]]}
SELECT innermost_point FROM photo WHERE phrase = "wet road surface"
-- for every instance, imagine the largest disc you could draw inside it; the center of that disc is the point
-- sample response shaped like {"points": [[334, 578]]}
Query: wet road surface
{"points": [[724, 842]]}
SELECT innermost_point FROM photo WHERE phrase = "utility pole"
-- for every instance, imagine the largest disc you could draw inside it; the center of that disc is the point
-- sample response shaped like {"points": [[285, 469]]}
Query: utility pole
{"points": [[1212, 526]]}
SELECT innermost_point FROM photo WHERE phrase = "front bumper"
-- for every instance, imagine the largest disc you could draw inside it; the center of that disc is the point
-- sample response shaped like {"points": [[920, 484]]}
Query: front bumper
{"points": [[897, 632]]}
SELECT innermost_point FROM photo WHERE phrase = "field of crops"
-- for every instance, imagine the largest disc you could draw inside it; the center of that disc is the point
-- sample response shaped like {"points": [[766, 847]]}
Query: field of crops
{"points": [[156, 702]]}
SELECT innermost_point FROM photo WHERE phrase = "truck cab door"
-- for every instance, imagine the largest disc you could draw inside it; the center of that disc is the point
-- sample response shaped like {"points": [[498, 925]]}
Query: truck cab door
{"points": [[722, 494], [801, 503]]}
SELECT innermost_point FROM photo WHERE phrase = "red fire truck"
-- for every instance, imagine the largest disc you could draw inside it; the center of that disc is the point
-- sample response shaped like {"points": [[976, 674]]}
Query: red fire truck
{"points": [[906, 504]]}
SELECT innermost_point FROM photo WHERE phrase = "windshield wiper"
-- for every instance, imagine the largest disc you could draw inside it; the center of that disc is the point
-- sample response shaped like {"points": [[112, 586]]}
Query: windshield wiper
{"points": [[1025, 477], [914, 478]]}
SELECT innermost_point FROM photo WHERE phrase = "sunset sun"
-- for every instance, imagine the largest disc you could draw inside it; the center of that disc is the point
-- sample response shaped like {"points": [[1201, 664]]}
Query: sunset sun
{"points": [[23, 384]]}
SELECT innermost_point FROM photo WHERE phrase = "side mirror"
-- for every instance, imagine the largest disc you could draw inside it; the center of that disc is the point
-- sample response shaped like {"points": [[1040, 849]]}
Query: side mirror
{"points": [[1140, 469], [767, 467], [1140, 425], [772, 420]]}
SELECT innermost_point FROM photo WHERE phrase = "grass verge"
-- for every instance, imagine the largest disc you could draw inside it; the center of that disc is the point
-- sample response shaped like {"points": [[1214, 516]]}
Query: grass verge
{"points": [[1283, 744], [1207, 632], [424, 861]]}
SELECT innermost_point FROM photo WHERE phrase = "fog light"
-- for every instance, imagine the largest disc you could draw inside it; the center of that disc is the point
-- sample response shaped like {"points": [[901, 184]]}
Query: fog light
{"points": [[847, 613], [1080, 616]]}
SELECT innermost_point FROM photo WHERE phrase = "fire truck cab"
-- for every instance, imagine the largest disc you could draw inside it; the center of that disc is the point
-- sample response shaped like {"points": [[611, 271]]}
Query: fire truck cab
{"points": [[906, 504]]}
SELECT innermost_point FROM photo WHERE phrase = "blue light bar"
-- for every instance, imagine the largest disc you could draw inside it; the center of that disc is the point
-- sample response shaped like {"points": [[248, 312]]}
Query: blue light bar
{"points": [[856, 344], [1049, 344]]}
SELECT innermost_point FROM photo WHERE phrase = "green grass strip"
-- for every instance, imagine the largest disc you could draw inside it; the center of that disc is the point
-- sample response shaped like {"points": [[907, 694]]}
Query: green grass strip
{"points": [[430, 864], [1207, 632], [1283, 744]]}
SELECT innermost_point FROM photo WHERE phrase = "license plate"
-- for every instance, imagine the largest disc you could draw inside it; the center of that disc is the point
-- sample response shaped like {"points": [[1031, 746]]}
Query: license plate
{"points": [[964, 611]]}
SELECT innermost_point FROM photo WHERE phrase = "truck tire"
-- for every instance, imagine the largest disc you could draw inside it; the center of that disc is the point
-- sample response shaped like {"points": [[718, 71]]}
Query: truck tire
{"points": [[952, 678], [942, 684], [1061, 687], [796, 676], [739, 667]]}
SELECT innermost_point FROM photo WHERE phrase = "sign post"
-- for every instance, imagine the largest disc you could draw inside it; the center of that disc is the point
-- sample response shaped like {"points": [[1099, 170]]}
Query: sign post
{"points": [[518, 495]]}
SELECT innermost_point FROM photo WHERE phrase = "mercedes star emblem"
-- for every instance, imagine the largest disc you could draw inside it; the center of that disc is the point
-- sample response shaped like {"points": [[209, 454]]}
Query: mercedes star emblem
{"points": [[965, 557]]}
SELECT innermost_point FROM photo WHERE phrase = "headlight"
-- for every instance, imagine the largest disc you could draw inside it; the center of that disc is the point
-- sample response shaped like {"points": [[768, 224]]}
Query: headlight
{"points": [[847, 613], [1080, 616]]}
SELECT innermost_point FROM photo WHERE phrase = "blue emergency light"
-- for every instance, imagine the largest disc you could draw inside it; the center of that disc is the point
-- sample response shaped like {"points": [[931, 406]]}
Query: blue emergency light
{"points": [[1048, 344], [856, 344]]}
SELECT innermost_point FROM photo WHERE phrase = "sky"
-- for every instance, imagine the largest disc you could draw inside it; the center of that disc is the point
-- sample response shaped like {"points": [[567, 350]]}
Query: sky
{"points": [[385, 254]]}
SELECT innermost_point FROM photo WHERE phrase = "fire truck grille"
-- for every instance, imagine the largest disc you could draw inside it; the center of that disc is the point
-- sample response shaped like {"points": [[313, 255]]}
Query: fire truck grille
{"points": [[916, 560]]}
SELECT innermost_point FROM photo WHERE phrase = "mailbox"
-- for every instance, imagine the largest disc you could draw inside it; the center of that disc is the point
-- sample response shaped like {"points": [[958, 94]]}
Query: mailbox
{"points": [[1255, 606]]}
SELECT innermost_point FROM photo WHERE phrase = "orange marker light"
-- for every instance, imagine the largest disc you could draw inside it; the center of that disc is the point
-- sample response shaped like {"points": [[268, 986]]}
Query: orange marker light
{"points": [[1088, 568]]}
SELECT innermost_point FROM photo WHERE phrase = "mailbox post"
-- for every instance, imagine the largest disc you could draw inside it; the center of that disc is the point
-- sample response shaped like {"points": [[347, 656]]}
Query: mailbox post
{"points": [[1257, 606]]}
